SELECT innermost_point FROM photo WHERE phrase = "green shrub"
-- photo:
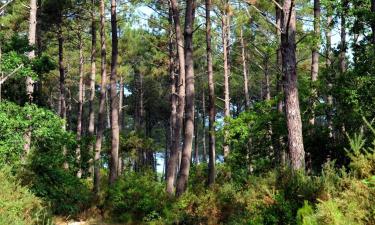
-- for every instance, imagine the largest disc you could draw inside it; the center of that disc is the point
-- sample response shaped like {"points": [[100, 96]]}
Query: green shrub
{"points": [[18, 206], [67, 194], [137, 197]]}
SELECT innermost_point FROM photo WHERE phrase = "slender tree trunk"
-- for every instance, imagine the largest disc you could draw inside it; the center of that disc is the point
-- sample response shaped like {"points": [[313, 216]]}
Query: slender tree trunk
{"points": [[141, 123], [80, 106], [315, 59], [280, 78], [225, 39], [114, 99], [101, 113], [62, 102], [267, 79], [32, 42], [342, 55], [92, 85], [190, 97], [268, 98], [204, 150], [211, 99], [196, 140], [29, 80], [174, 156], [293, 114], [173, 96], [330, 76], [244, 69], [108, 111], [121, 104], [62, 105], [121, 123]]}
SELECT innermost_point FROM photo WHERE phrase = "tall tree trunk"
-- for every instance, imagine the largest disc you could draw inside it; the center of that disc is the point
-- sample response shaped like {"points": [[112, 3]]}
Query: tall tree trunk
{"points": [[315, 59], [121, 123], [204, 150], [211, 99], [92, 85], [190, 97], [267, 80], [29, 80], [342, 55], [244, 69], [293, 114], [225, 39], [173, 95], [80, 106], [62, 105], [141, 122], [62, 102], [174, 156], [101, 113], [329, 69], [32, 42], [196, 140], [114, 99], [121, 103], [280, 78], [108, 111]]}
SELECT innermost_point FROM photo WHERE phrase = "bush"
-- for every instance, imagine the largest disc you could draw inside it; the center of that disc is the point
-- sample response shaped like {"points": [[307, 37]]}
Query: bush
{"points": [[18, 206], [137, 197], [65, 192]]}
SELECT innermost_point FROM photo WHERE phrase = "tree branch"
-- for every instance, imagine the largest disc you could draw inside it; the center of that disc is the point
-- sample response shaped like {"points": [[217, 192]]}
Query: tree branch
{"points": [[9, 75]]}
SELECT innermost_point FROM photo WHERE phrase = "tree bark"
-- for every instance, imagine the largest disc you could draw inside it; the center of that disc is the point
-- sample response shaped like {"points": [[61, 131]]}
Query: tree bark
{"points": [[62, 105], [315, 60], [32, 42], [196, 140], [211, 99], [342, 55], [293, 115], [225, 39], [173, 95], [121, 103], [92, 85], [267, 80], [62, 101], [280, 79], [29, 80], [190, 97], [174, 155], [114, 99], [80, 105], [244, 69], [204, 150], [101, 113]]}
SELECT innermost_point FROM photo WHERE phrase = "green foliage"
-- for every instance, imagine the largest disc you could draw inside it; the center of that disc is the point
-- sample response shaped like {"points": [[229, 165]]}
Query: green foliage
{"points": [[47, 135], [362, 158], [18, 205], [137, 197], [67, 194], [304, 213], [250, 138]]}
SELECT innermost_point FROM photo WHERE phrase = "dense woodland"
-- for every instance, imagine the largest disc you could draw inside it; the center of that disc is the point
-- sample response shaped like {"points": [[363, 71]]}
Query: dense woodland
{"points": [[187, 112]]}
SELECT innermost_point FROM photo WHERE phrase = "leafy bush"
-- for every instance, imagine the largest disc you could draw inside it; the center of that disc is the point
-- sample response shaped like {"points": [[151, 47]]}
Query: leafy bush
{"points": [[18, 205], [65, 192], [47, 135], [137, 197]]}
